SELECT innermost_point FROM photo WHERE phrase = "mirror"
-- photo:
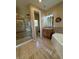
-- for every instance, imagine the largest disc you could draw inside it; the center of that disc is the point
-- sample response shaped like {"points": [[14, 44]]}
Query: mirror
{"points": [[58, 19], [48, 21]]}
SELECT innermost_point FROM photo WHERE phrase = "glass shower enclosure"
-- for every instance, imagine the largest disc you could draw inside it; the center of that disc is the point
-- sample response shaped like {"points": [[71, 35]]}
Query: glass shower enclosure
{"points": [[23, 30]]}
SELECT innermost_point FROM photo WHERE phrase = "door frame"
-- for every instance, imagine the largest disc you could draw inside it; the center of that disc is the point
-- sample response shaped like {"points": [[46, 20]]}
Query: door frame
{"points": [[32, 9]]}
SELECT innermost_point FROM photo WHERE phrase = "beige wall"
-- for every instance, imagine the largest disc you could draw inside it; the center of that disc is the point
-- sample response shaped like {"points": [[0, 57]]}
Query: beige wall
{"points": [[58, 12], [22, 11]]}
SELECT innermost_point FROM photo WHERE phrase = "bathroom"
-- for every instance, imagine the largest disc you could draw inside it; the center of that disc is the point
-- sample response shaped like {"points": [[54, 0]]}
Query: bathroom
{"points": [[35, 27]]}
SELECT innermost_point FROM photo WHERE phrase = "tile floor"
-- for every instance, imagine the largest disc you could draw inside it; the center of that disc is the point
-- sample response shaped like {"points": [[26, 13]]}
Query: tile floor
{"points": [[39, 49]]}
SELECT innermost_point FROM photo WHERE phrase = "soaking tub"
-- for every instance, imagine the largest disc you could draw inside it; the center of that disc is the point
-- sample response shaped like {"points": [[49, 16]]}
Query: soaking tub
{"points": [[57, 41]]}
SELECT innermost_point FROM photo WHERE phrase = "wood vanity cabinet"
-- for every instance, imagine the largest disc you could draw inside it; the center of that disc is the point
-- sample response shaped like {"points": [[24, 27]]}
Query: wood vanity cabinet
{"points": [[47, 32]]}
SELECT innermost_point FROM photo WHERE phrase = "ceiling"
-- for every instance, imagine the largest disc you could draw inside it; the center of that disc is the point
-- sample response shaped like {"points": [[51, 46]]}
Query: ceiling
{"points": [[44, 5]]}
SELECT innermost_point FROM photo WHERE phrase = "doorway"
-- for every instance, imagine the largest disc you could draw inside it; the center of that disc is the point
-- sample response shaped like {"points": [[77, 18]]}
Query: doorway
{"points": [[36, 21], [37, 24]]}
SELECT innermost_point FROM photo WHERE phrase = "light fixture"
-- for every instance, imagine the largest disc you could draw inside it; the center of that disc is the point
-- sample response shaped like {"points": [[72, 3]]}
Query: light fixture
{"points": [[40, 0]]}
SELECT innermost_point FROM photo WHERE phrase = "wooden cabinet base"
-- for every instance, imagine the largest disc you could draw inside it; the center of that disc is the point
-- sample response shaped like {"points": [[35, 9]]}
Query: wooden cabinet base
{"points": [[47, 32]]}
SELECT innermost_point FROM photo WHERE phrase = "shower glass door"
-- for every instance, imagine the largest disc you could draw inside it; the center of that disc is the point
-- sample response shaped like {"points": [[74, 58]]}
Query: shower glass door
{"points": [[23, 30]]}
